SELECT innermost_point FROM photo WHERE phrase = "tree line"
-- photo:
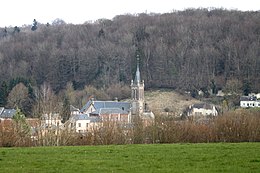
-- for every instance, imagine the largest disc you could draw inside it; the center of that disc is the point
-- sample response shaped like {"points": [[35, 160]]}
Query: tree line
{"points": [[237, 126], [187, 50]]}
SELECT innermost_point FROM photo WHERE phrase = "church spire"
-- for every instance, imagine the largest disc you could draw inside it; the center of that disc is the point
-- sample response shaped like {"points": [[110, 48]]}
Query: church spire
{"points": [[137, 74], [137, 88]]}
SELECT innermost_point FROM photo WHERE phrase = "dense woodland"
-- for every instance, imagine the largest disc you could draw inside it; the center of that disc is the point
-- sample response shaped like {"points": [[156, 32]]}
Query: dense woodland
{"points": [[186, 50]]}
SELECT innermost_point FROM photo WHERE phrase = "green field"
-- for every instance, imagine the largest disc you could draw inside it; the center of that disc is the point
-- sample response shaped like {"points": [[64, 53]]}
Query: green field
{"points": [[219, 157]]}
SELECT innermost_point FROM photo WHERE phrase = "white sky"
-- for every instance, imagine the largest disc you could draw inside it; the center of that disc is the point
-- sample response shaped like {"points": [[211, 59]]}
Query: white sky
{"points": [[20, 12]]}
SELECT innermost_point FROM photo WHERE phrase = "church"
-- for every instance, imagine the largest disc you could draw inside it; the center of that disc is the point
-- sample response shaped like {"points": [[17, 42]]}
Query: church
{"points": [[123, 112]]}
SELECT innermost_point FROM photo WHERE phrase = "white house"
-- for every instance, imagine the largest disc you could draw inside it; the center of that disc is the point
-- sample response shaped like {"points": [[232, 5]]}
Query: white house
{"points": [[82, 123], [202, 109], [249, 102]]}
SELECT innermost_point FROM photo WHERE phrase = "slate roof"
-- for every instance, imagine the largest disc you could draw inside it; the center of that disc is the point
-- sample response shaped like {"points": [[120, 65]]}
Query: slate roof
{"points": [[103, 111], [85, 117], [125, 106], [8, 113], [248, 98], [202, 106]]}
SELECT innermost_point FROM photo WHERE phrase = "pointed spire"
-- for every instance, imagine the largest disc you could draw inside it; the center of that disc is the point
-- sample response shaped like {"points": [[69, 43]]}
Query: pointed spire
{"points": [[137, 74]]}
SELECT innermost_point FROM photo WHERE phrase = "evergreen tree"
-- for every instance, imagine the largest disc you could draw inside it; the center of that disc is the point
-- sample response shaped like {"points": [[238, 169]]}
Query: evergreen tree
{"points": [[5, 32], [34, 26], [65, 113], [16, 29], [101, 33], [3, 94], [246, 87], [21, 127]]}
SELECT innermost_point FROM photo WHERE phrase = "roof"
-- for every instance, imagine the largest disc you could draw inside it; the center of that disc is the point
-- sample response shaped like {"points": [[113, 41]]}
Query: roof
{"points": [[103, 111], [8, 113], [72, 108], [248, 98], [125, 106], [202, 106], [85, 117]]}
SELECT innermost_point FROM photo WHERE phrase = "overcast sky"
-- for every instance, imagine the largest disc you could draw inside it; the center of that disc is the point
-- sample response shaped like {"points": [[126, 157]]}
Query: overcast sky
{"points": [[20, 12]]}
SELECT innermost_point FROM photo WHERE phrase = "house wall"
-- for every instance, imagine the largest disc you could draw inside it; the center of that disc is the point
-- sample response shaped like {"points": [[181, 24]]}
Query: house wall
{"points": [[82, 126], [251, 103], [123, 118], [197, 112]]}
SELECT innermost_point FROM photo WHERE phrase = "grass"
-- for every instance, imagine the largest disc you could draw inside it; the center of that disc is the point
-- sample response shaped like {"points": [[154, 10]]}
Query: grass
{"points": [[217, 157]]}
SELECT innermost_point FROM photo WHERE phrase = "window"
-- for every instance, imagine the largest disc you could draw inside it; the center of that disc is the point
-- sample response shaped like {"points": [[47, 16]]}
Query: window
{"points": [[79, 124], [86, 125]]}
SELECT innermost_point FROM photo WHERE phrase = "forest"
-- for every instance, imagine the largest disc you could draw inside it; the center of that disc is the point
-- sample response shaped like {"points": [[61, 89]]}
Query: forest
{"points": [[195, 49]]}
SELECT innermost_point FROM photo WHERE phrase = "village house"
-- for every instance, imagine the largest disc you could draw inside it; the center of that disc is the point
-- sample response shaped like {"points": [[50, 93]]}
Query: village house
{"points": [[202, 109], [82, 123], [249, 102]]}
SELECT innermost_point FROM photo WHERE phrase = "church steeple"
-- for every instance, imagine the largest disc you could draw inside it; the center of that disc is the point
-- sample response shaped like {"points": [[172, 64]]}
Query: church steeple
{"points": [[137, 73], [137, 88]]}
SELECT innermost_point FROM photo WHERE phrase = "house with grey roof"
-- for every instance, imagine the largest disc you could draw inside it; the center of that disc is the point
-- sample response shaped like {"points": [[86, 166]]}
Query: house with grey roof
{"points": [[83, 123], [112, 110], [249, 102], [202, 109]]}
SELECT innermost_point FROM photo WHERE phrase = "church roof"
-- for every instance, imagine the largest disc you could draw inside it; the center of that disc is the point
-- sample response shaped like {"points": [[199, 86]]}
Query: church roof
{"points": [[125, 106], [103, 111]]}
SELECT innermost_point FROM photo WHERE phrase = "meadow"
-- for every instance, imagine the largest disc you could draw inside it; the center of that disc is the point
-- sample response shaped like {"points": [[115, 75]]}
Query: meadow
{"points": [[202, 157]]}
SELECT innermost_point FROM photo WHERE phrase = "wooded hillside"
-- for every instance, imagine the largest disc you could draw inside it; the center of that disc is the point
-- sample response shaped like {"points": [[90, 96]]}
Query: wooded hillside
{"points": [[192, 49]]}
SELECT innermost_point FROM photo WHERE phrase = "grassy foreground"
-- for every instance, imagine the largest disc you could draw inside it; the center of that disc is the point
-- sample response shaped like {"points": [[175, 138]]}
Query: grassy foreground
{"points": [[217, 157]]}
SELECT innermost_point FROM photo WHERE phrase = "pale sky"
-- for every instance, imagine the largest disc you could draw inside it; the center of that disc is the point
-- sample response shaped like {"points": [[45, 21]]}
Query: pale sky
{"points": [[22, 12]]}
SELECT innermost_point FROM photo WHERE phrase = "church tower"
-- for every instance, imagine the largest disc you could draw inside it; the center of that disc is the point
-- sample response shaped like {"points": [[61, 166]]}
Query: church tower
{"points": [[137, 93]]}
